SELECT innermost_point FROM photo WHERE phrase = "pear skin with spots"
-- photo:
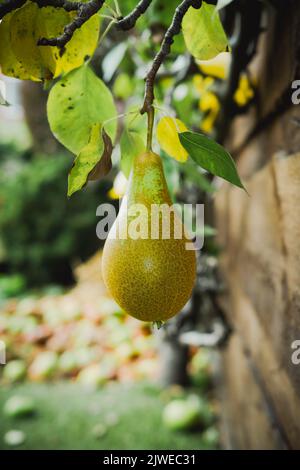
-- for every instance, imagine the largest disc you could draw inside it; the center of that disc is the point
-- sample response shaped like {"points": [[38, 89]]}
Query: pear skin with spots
{"points": [[146, 265]]}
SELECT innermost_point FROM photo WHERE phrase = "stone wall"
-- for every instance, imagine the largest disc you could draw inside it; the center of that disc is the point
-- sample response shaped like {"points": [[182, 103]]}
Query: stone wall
{"points": [[260, 239]]}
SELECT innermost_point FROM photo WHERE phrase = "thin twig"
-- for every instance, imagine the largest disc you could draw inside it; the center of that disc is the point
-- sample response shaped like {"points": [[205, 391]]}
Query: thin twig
{"points": [[67, 5], [112, 11], [107, 29], [85, 12]]}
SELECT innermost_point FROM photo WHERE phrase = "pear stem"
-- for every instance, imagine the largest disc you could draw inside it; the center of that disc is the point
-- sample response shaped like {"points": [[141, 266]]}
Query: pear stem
{"points": [[150, 115]]}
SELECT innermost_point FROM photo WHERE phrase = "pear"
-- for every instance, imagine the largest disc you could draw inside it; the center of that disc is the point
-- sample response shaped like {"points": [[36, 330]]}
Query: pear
{"points": [[146, 265]]}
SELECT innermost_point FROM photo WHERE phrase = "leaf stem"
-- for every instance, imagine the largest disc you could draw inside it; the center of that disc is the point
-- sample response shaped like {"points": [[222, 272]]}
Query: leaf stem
{"points": [[163, 110], [118, 11], [107, 17], [129, 21], [113, 12], [107, 29], [120, 116]]}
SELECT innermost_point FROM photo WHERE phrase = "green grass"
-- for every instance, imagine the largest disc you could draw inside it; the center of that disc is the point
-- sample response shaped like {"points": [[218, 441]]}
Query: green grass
{"points": [[67, 415]]}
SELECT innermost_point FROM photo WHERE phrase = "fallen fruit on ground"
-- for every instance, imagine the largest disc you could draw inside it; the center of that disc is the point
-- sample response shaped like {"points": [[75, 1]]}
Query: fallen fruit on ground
{"points": [[43, 366], [210, 437], [149, 272], [14, 371], [186, 414], [19, 406], [14, 437]]}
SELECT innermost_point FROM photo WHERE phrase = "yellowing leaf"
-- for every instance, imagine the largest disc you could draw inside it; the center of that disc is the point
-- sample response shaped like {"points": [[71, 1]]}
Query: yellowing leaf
{"points": [[87, 159], [9, 63], [23, 41], [244, 92], [203, 32], [167, 135], [217, 67], [210, 105], [50, 23], [209, 101], [202, 83], [29, 23], [84, 41]]}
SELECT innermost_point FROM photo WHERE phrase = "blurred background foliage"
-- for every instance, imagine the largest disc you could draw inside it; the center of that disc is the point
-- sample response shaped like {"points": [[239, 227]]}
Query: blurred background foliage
{"points": [[43, 234], [78, 371]]}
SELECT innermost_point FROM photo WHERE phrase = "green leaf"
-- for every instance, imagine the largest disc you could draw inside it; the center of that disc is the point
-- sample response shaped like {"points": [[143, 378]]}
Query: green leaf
{"points": [[76, 102], [203, 32], [86, 160], [131, 144], [211, 156], [123, 86]]}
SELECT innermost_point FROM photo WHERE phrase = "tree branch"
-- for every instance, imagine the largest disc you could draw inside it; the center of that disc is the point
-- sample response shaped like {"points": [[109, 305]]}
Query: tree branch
{"points": [[67, 5], [10, 5], [85, 12], [165, 48], [129, 21]]}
